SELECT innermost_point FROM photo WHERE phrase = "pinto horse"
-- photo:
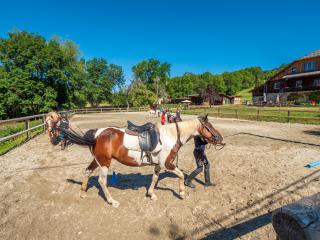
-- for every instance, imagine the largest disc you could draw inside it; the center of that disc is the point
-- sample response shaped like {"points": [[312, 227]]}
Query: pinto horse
{"points": [[114, 143], [50, 123], [154, 112]]}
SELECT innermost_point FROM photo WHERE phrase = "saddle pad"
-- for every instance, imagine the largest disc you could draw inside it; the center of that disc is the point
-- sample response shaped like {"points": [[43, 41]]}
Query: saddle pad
{"points": [[132, 143]]}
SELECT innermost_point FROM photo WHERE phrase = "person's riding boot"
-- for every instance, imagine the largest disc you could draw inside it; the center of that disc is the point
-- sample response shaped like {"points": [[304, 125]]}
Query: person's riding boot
{"points": [[188, 181], [207, 183], [63, 144]]}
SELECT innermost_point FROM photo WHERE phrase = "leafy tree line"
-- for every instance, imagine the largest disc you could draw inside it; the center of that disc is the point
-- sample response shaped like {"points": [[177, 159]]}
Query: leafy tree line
{"points": [[154, 76], [227, 83], [37, 76]]}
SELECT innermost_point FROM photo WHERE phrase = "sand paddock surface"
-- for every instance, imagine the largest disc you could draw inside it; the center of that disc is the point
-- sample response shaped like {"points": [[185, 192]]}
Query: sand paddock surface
{"points": [[260, 169]]}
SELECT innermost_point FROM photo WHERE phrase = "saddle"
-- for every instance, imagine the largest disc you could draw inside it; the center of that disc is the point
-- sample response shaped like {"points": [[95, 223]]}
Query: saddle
{"points": [[142, 128], [148, 136]]}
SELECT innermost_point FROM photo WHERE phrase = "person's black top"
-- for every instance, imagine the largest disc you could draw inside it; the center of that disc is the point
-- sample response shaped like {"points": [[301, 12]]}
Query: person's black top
{"points": [[200, 144], [63, 123], [178, 114]]}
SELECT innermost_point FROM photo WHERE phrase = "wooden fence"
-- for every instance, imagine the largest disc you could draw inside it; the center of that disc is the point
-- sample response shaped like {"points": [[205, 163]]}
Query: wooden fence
{"points": [[258, 114], [27, 119], [296, 116]]}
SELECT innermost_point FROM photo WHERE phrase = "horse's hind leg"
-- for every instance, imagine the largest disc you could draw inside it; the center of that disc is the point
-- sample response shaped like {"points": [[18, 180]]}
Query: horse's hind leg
{"points": [[103, 183], [89, 170], [155, 177]]}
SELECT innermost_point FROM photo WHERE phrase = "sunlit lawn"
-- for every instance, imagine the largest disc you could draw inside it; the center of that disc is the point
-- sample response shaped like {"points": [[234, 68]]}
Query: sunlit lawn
{"points": [[9, 129], [276, 114]]}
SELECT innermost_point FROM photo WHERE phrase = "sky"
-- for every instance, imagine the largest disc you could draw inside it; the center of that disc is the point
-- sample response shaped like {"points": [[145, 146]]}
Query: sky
{"points": [[193, 36]]}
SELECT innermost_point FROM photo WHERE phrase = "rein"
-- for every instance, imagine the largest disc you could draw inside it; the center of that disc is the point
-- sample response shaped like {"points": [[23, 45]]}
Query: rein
{"points": [[178, 143]]}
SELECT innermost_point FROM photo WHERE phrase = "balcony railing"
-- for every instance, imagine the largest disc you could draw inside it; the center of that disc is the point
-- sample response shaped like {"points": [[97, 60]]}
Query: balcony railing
{"points": [[289, 89], [301, 88]]}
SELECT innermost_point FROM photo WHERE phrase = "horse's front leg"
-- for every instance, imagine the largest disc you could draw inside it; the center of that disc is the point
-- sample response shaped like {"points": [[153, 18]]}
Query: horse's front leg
{"points": [[170, 166], [155, 177], [180, 174]]}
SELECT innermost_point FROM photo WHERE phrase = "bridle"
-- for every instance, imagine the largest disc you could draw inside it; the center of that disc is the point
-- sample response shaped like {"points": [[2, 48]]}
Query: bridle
{"points": [[215, 137], [51, 126]]}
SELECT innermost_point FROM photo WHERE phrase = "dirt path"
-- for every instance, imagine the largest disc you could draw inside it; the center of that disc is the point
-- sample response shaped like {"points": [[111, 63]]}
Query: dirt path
{"points": [[255, 174]]}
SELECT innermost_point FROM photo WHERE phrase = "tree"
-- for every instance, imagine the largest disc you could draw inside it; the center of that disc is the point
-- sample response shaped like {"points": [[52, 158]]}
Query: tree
{"points": [[147, 71], [120, 99], [139, 95], [211, 95], [98, 83], [116, 75]]}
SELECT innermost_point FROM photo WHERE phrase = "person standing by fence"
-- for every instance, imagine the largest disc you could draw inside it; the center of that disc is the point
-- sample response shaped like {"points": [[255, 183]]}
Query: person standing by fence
{"points": [[163, 118], [178, 115]]}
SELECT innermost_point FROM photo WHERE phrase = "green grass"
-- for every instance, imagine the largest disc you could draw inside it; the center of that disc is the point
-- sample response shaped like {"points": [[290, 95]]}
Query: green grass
{"points": [[245, 94], [9, 129], [271, 114]]}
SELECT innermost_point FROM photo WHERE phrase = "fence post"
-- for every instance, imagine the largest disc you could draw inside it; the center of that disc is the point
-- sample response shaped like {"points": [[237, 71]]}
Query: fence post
{"points": [[258, 115], [236, 113], [218, 112], [43, 121], [27, 127], [288, 119]]}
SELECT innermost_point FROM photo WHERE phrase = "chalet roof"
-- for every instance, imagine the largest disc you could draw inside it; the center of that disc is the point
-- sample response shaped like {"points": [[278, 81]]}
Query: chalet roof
{"points": [[311, 55]]}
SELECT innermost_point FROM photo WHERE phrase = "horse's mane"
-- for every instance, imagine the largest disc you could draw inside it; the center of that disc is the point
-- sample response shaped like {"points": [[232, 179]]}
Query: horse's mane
{"points": [[186, 128], [54, 116]]}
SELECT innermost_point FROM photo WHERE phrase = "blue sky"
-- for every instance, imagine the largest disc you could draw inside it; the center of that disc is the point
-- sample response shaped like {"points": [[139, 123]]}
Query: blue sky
{"points": [[193, 36]]}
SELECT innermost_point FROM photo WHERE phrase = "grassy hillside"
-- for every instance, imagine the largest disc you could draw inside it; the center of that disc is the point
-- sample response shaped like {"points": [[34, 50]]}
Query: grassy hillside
{"points": [[245, 94]]}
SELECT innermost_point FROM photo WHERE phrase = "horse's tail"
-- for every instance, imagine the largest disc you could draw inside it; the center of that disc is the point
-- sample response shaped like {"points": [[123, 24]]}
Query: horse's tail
{"points": [[83, 139]]}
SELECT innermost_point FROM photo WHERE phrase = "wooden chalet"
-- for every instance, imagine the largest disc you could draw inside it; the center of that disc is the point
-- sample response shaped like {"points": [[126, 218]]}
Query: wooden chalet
{"points": [[301, 77]]}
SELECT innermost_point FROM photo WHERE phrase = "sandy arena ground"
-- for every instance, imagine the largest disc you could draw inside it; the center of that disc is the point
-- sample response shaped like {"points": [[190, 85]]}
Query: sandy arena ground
{"points": [[254, 174]]}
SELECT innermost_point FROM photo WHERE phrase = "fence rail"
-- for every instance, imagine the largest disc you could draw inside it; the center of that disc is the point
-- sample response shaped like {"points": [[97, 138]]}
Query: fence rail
{"points": [[261, 114], [27, 119], [257, 114]]}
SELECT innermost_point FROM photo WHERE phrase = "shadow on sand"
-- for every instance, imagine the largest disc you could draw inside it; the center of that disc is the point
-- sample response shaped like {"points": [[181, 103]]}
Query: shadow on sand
{"points": [[132, 181], [314, 133], [244, 224]]}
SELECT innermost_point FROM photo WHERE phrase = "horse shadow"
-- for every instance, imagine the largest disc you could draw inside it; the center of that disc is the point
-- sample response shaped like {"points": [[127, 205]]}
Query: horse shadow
{"points": [[313, 132], [133, 181]]}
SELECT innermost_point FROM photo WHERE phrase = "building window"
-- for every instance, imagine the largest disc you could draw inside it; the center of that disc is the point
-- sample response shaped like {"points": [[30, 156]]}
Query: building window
{"points": [[309, 66], [276, 85], [293, 70], [316, 83], [299, 83]]}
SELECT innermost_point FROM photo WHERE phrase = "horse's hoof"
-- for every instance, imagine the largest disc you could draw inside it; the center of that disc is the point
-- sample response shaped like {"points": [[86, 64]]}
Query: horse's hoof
{"points": [[115, 204], [83, 194], [154, 197], [182, 195]]}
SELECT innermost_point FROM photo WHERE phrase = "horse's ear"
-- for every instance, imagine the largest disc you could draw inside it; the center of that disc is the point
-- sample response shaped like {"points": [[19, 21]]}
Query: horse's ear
{"points": [[203, 118]]}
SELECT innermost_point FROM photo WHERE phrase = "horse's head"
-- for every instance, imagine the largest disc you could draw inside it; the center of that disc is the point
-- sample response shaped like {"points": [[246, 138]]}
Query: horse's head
{"points": [[50, 124], [209, 133]]}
